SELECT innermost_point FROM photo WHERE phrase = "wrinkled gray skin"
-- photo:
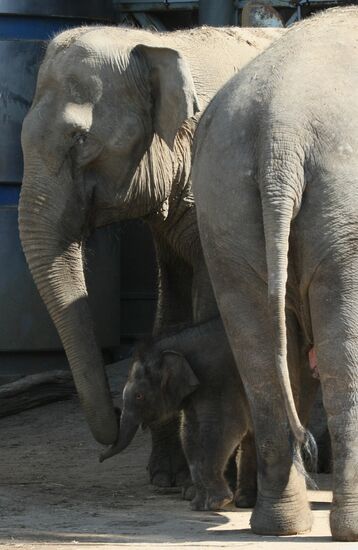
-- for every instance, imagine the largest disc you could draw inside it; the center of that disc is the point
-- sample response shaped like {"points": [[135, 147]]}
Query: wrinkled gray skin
{"points": [[193, 371], [108, 137], [275, 179]]}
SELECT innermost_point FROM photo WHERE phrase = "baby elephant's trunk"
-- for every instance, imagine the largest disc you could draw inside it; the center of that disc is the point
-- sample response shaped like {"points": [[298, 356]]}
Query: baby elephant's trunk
{"points": [[127, 431]]}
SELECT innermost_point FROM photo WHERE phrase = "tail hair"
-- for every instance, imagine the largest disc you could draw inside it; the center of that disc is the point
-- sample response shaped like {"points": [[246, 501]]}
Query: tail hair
{"points": [[305, 458]]}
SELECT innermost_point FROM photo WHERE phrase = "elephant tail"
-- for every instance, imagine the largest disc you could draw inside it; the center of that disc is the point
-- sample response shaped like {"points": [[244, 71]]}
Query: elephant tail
{"points": [[282, 184]]}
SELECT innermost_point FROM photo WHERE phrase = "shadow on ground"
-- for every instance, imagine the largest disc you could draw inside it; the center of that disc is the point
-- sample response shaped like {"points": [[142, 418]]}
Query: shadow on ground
{"points": [[54, 491]]}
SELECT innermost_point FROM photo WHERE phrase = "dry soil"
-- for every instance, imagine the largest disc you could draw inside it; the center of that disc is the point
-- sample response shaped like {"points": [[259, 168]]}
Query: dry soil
{"points": [[54, 494]]}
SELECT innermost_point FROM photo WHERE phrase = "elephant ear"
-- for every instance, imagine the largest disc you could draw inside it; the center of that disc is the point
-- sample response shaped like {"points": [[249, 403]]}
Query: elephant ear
{"points": [[172, 88], [178, 379]]}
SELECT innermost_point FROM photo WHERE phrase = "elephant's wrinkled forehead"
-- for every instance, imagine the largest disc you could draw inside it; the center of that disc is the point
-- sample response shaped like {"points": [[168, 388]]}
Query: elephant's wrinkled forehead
{"points": [[100, 46], [72, 72], [94, 52]]}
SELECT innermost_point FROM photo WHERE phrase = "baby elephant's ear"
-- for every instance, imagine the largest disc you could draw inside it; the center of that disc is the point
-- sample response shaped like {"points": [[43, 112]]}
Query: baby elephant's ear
{"points": [[178, 378]]}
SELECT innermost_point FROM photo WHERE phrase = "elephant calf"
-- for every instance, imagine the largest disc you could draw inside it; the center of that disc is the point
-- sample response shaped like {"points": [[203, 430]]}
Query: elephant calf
{"points": [[194, 371]]}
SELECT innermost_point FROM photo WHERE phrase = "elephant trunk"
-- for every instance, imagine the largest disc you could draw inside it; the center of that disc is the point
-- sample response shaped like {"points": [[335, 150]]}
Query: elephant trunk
{"points": [[127, 431], [55, 261]]}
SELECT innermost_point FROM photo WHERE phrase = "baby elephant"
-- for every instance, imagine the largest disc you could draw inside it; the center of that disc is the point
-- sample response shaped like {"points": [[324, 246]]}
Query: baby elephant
{"points": [[193, 371]]}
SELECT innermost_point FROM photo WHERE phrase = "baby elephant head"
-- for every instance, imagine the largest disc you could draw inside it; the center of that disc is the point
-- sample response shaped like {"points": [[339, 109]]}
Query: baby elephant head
{"points": [[156, 387]]}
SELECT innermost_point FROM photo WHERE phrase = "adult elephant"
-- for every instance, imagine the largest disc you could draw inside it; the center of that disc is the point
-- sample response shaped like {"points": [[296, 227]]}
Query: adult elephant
{"points": [[275, 178], [108, 138]]}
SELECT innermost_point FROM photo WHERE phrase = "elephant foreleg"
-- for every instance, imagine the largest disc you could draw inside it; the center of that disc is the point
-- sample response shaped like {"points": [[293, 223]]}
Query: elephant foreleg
{"points": [[174, 290], [167, 464]]}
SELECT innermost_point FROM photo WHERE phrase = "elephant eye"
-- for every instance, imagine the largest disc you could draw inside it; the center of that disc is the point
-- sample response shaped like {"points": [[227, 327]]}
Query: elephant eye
{"points": [[139, 396]]}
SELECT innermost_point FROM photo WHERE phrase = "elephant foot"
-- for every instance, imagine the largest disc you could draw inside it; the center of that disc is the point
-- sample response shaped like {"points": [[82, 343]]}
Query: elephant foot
{"points": [[163, 473], [167, 464], [211, 501], [245, 499], [198, 504], [218, 501], [281, 516], [188, 491], [344, 522], [160, 479]]}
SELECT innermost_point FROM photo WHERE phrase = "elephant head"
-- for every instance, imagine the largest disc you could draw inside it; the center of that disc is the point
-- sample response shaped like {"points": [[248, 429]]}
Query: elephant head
{"points": [[97, 146], [156, 388]]}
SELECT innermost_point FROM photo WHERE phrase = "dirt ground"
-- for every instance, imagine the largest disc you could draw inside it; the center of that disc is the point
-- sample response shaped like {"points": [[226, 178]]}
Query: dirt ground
{"points": [[54, 494]]}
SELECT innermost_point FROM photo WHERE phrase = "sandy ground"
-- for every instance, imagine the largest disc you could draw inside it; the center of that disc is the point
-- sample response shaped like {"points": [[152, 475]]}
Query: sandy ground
{"points": [[54, 494]]}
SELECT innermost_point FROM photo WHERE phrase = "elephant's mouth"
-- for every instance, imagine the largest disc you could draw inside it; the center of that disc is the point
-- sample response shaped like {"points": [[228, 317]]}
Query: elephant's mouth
{"points": [[106, 215]]}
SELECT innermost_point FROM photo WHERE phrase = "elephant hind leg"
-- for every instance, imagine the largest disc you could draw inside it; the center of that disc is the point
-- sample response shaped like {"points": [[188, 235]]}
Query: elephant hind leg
{"points": [[334, 312], [282, 506]]}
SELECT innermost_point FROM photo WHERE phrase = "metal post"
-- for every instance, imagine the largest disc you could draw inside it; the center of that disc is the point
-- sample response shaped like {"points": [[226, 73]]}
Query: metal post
{"points": [[216, 12]]}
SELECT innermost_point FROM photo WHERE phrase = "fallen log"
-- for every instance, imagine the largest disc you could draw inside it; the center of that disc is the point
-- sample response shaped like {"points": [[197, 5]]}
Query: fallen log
{"points": [[35, 390]]}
